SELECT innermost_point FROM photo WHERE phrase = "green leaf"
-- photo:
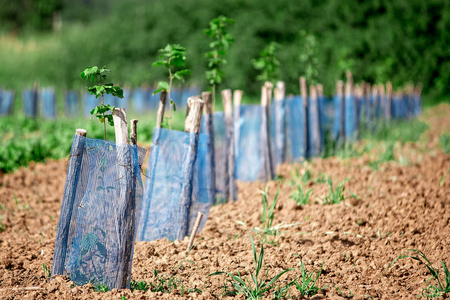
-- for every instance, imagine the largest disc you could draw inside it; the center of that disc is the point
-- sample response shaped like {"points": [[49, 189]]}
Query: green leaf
{"points": [[159, 90], [164, 85], [174, 105]]}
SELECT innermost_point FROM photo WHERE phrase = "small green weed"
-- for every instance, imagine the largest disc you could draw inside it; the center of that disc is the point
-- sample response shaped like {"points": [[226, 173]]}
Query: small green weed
{"points": [[443, 283], [139, 286], [306, 284], [256, 287], [445, 142], [101, 288], [336, 194], [300, 195], [47, 271]]}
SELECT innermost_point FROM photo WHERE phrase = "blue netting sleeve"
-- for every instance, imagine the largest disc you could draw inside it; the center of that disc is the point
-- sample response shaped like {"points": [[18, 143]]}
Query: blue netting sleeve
{"points": [[48, 100], [6, 102], [249, 157], [168, 188], [100, 239], [220, 159], [89, 102], [295, 146], [350, 120], [278, 132], [72, 106], [30, 104]]}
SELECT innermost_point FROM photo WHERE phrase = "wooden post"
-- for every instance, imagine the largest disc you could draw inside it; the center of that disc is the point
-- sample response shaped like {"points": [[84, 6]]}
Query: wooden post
{"points": [[280, 131], [67, 206], [209, 129], [265, 134], [315, 130], [304, 93], [194, 231], [192, 125], [161, 108], [269, 86], [387, 110], [229, 164], [340, 94], [133, 132]]}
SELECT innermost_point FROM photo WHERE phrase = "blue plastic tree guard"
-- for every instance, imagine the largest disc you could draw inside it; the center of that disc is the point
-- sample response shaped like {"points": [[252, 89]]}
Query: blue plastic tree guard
{"points": [[295, 140], [72, 106], [251, 150], [177, 185], [140, 98], [314, 129], [350, 113], [152, 102], [417, 100], [6, 102], [220, 156], [30, 99], [48, 100], [278, 132], [99, 213], [337, 116], [89, 102]]}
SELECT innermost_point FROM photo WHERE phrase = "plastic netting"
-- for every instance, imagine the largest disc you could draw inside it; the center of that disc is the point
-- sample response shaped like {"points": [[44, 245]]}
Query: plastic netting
{"points": [[48, 101], [30, 99], [139, 97], [278, 131], [295, 138], [177, 185], [251, 150], [99, 213], [315, 139], [89, 102], [351, 120], [72, 106], [6, 102]]}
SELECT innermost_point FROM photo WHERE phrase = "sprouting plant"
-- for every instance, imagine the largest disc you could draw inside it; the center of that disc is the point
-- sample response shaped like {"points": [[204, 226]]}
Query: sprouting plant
{"points": [[268, 212], [336, 194], [173, 57], [101, 288], [306, 284], [139, 286], [308, 57], [47, 271], [100, 112], [222, 40], [443, 282], [256, 287], [300, 195], [267, 63]]}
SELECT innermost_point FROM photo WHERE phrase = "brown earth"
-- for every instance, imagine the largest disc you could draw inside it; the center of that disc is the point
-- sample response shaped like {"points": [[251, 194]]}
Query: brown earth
{"points": [[403, 205]]}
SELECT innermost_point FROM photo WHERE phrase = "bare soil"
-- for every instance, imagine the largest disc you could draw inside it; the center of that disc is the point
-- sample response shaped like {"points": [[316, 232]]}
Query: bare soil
{"points": [[403, 205]]}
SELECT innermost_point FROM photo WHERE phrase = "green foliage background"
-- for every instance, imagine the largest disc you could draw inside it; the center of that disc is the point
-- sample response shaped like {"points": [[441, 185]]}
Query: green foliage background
{"points": [[401, 40]]}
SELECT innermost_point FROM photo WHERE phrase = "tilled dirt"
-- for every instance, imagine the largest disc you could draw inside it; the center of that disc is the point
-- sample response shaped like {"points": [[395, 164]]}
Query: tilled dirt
{"points": [[403, 205]]}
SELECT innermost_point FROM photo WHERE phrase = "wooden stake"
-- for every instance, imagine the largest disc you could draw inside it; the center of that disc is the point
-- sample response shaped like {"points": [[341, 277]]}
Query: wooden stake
{"points": [[269, 87], [133, 131], [208, 119], [237, 99], [265, 134], [120, 125], [161, 108], [68, 207], [194, 231], [279, 91], [194, 118], [229, 161]]}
